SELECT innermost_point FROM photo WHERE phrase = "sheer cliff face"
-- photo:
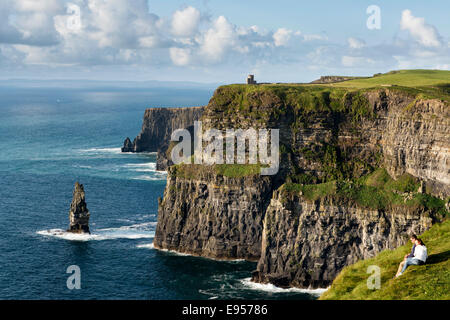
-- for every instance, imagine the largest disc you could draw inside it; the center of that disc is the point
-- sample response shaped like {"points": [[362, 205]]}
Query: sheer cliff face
{"points": [[209, 215], [157, 128], [416, 140], [304, 242]]}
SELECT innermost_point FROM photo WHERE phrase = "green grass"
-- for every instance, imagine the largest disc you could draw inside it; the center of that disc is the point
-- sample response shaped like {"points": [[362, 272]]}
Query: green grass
{"points": [[405, 78], [312, 192], [238, 170], [417, 83], [428, 282], [377, 190], [194, 171]]}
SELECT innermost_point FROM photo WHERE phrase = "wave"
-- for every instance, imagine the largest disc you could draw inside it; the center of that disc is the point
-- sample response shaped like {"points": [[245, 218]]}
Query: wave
{"points": [[135, 226], [146, 246], [151, 246], [274, 289], [102, 150], [147, 164], [112, 150], [149, 167], [135, 231], [150, 178], [141, 167], [144, 167], [82, 167]]}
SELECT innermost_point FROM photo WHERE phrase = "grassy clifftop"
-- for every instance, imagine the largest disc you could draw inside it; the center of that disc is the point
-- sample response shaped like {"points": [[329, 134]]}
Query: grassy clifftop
{"points": [[430, 281], [406, 78], [262, 102]]}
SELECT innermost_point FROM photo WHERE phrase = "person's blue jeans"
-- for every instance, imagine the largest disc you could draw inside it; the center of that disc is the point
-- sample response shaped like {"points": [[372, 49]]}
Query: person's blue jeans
{"points": [[411, 261]]}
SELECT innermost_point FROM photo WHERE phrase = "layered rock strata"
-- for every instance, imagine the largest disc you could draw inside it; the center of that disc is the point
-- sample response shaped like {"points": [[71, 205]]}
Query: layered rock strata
{"points": [[79, 213]]}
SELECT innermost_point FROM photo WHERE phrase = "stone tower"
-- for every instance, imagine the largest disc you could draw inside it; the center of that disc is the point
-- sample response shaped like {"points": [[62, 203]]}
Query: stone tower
{"points": [[251, 79]]}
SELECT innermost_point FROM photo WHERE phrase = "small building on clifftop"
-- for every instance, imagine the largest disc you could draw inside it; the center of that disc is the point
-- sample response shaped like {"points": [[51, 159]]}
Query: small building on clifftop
{"points": [[251, 79]]}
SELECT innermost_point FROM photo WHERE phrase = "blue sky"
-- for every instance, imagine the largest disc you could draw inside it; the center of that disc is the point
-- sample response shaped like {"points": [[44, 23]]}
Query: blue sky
{"points": [[218, 41], [338, 18]]}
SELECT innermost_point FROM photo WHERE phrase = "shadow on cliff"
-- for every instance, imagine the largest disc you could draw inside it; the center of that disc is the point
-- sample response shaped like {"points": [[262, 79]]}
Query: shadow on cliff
{"points": [[439, 257]]}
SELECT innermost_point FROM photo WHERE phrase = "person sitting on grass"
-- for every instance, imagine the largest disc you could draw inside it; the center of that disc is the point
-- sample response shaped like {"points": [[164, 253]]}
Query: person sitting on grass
{"points": [[419, 258], [413, 239]]}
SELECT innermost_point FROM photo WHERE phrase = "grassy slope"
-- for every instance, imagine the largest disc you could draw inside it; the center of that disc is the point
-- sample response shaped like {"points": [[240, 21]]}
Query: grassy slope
{"points": [[406, 78], [428, 84], [375, 191], [429, 281]]}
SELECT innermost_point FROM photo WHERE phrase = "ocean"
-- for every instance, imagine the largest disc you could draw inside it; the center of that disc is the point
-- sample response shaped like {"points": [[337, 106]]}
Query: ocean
{"points": [[55, 135]]}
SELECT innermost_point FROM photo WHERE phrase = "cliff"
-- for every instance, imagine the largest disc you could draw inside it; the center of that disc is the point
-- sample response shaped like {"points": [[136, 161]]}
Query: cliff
{"points": [[157, 127], [360, 169], [306, 243], [205, 213]]}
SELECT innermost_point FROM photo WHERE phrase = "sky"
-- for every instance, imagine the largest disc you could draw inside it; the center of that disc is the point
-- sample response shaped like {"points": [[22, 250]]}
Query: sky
{"points": [[220, 41]]}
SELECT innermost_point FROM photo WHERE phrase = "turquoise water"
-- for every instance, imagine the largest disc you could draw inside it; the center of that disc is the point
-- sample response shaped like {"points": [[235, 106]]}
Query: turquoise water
{"points": [[52, 137]]}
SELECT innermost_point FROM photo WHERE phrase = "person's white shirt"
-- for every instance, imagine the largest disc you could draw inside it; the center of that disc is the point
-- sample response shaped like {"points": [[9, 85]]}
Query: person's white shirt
{"points": [[420, 252]]}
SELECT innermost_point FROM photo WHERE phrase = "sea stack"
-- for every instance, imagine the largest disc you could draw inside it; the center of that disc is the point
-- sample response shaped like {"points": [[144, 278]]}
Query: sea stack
{"points": [[79, 213]]}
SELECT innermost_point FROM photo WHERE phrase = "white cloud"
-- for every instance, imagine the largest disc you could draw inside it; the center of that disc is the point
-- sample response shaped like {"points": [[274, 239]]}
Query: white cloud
{"points": [[29, 22], [355, 43], [218, 39], [180, 56], [282, 36], [185, 22], [314, 37], [110, 32], [424, 33], [350, 61]]}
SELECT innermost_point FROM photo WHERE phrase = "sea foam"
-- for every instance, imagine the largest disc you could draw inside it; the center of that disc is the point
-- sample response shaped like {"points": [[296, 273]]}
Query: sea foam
{"points": [[274, 289], [136, 231], [102, 150]]}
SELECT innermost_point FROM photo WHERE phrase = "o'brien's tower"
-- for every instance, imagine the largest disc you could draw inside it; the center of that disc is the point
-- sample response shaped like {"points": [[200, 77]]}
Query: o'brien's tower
{"points": [[251, 79]]}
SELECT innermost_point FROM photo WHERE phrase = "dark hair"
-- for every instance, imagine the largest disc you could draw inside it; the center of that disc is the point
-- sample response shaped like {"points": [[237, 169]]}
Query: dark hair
{"points": [[413, 236], [421, 242]]}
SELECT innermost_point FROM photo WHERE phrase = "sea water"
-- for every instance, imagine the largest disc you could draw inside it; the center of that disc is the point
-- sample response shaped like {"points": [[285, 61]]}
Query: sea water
{"points": [[55, 135]]}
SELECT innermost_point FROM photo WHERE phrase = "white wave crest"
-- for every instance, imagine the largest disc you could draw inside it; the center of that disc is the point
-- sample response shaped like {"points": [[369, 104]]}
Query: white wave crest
{"points": [[136, 231], [151, 165], [142, 167], [146, 246], [102, 150], [274, 289], [151, 178], [151, 246]]}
